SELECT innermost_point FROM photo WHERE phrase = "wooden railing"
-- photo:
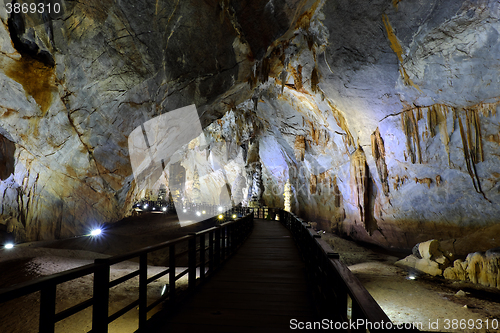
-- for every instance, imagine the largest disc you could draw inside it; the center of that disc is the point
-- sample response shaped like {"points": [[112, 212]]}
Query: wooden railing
{"points": [[339, 295], [206, 250]]}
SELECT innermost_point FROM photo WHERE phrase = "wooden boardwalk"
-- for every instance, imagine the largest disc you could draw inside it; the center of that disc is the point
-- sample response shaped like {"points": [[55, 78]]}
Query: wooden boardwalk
{"points": [[260, 289]]}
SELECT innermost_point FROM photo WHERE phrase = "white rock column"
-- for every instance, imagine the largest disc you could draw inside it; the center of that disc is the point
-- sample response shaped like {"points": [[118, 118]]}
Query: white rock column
{"points": [[288, 194]]}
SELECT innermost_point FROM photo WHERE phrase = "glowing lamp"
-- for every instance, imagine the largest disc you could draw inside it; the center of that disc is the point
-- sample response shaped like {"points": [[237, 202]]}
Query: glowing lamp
{"points": [[96, 232], [198, 213], [221, 217], [220, 209], [9, 246], [184, 210], [234, 216], [164, 209], [203, 212]]}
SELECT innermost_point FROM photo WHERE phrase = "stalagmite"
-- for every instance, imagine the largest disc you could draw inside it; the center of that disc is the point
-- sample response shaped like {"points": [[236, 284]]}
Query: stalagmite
{"points": [[257, 187], [177, 182], [196, 194], [287, 194], [479, 267]]}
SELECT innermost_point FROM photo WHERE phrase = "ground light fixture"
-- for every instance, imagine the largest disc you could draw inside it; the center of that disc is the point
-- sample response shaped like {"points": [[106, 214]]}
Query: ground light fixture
{"points": [[9, 246], [96, 232]]}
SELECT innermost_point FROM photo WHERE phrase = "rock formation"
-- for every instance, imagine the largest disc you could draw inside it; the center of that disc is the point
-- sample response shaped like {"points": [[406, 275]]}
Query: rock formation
{"points": [[311, 83], [287, 196], [478, 267], [428, 257]]}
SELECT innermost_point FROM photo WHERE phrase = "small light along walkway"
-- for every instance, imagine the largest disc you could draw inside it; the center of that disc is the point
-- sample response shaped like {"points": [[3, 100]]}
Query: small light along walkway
{"points": [[260, 289]]}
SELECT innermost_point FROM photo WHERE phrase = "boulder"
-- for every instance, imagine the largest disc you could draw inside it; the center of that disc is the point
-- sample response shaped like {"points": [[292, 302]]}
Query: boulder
{"points": [[428, 257]]}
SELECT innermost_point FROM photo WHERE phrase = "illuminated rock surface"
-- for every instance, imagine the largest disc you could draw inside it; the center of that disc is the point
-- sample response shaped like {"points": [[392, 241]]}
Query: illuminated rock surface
{"points": [[381, 114]]}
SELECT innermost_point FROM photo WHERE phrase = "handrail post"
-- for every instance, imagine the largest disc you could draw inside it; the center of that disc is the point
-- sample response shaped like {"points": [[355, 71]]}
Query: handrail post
{"points": [[356, 313], [47, 309], [171, 276], [217, 247], [202, 257], [211, 252], [192, 262], [143, 290], [223, 243], [101, 297], [229, 245]]}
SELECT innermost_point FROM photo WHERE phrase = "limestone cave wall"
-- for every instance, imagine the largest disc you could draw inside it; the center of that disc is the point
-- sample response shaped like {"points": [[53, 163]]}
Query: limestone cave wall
{"points": [[382, 115]]}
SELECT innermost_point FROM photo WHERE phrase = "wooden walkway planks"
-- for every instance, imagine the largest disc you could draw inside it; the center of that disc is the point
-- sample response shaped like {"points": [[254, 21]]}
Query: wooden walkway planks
{"points": [[260, 289]]}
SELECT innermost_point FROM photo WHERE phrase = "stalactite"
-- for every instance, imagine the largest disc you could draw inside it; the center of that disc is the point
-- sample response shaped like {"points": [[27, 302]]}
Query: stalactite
{"points": [[359, 179], [432, 121], [314, 80], [336, 191], [342, 123], [313, 182], [437, 116], [315, 133], [426, 181], [265, 69], [378, 152], [471, 141], [283, 80], [300, 148], [297, 77], [410, 128]]}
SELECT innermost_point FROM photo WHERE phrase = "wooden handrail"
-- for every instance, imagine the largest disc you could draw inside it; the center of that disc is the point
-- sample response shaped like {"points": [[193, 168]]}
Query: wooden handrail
{"points": [[334, 283], [222, 241], [28, 287]]}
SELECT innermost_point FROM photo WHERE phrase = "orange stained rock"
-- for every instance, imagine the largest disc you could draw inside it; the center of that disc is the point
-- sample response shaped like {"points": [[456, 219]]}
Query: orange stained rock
{"points": [[37, 79]]}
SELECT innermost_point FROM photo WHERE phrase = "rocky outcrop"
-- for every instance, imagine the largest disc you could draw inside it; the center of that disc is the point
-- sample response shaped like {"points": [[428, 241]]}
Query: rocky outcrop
{"points": [[428, 257], [478, 267]]}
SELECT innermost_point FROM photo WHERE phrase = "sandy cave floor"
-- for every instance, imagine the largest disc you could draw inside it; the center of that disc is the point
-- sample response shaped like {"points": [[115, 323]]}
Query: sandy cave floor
{"points": [[424, 299], [409, 297]]}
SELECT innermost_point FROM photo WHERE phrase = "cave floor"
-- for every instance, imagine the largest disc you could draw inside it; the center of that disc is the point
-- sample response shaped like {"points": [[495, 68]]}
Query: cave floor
{"points": [[424, 299], [409, 297]]}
